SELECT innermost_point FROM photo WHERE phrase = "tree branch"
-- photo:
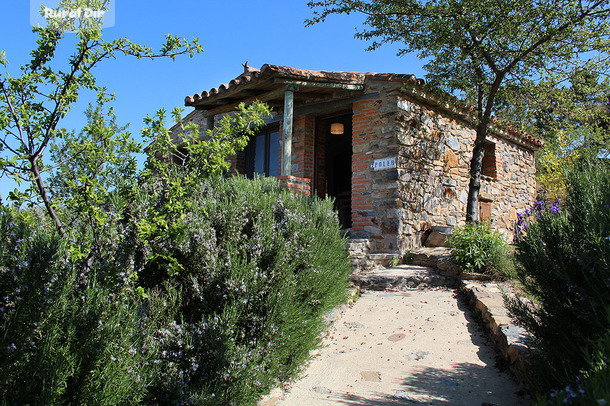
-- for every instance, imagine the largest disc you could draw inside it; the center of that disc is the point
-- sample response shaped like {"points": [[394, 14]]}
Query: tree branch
{"points": [[45, 198], [54, 117], [13, 113], [550, 35]]}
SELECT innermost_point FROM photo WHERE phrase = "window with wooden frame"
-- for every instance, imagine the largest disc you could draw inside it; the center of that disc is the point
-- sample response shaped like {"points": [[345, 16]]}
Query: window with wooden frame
{"points": [[484, 211], [490, 166], [262, 154]]}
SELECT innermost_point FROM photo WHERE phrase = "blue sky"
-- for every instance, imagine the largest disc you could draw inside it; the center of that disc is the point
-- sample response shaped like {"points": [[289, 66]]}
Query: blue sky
{"points": [[231, 32]]}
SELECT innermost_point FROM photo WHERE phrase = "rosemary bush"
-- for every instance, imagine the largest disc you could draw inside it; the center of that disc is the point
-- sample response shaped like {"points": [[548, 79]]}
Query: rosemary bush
{"points": [[72, 331], [563, 251], [214, 303], [258, 267]]}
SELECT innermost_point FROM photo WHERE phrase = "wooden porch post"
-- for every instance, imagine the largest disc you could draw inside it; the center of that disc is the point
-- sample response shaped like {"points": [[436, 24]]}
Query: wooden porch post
{"points": [[287, 129]]}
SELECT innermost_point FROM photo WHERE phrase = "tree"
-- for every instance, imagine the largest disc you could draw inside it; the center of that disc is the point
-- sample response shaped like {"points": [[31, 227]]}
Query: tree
{"points": [[90, 168], [483, 49], [570, 113], [33, 104]]}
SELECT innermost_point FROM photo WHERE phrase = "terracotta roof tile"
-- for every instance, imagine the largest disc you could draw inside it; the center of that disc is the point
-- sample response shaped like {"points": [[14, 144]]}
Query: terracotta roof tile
{"points": [[267, 71]]}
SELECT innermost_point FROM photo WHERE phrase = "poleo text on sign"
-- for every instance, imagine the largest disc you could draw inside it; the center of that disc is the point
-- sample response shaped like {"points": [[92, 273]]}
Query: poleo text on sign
{"points": [[384, 163]]}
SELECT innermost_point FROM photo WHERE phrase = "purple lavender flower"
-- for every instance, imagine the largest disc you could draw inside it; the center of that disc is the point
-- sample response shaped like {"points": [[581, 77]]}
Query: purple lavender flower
{"points": [[555, 209]]}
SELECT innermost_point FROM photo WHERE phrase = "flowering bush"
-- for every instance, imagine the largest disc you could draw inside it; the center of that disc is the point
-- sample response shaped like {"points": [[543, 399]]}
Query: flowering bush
{"points": [[532, 214], [564, 252], [211, 304], [71, 330], [258, 267], [591, 385]]}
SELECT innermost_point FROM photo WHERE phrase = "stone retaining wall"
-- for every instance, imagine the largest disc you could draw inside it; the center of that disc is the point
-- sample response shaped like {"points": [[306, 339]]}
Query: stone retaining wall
{"points": [[512, 341]]}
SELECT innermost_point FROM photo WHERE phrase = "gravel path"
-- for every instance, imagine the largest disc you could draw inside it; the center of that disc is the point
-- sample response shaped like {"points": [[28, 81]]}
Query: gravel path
{"points": [[407, 347]]}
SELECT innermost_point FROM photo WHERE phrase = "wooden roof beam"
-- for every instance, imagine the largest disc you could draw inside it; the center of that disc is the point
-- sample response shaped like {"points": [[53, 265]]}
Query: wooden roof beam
{"points": [[324, 85], [263, 97]]}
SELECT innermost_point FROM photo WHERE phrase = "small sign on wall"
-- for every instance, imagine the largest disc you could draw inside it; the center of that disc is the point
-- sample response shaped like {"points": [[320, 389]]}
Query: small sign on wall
{"points": [[384, 163]]}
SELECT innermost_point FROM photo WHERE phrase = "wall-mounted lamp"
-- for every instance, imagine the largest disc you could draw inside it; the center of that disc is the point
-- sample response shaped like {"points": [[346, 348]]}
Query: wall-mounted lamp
{"points": [[337, 128]]}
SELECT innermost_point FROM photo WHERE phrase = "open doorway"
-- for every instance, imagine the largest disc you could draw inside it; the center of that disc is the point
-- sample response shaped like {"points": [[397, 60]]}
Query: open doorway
{"points": [[334, 163]]}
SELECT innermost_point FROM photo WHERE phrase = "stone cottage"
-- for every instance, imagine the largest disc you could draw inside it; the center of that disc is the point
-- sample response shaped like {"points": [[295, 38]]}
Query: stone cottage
{"points": [[393, 156]]}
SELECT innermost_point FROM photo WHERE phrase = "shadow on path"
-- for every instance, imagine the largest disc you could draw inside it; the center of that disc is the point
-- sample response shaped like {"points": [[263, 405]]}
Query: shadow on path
{"points": [[438, 386]]}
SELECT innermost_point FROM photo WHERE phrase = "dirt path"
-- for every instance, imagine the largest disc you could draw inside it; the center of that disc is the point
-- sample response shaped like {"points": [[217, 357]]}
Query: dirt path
{"points": [[408, 347]]}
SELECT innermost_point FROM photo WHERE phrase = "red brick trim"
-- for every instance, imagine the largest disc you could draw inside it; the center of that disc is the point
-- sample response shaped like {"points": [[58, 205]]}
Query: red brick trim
{"points": [[296, 184]]}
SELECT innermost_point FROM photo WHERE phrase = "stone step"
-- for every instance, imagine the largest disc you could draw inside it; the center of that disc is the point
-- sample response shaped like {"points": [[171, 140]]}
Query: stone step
{"points": [[401, 277], [429, 256], [358, 247], [384, 259], [369, 262], [436, 257]]}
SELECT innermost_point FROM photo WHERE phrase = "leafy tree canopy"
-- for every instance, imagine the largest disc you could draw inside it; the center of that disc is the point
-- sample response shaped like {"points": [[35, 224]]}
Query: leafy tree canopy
{"points": [[484, 50], [474, 43], [33, 103]]}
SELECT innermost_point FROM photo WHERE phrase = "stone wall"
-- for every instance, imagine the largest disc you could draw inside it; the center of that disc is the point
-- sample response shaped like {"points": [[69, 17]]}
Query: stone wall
{"points": [[433, 169], [429, 187], [375, 194], [435, 154], [514, 190]]}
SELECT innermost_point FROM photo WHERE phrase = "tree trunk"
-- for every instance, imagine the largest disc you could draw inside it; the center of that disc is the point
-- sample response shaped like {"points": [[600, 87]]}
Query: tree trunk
{"points": [[45, 198], [476, 167], [484, 109]]}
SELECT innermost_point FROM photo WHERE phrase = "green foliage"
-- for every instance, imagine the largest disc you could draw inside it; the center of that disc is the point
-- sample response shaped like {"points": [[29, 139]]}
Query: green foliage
{"points": [[591, 386], [258, 267], [33, 104], [167, 285], [552, 164], [215, 309], [568, 111], [71, 332], [486, 51], [570, 115], [90, 169], [476, 247], [563, 254], [177, 164], [474, 46], [193, 154]]}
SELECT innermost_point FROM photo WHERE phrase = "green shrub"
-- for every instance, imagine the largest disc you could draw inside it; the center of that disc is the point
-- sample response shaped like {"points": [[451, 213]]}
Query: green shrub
{"points": [[211, 304], [591, 386], [563, 253], [258, 267], [72, 330], [476, 247]]}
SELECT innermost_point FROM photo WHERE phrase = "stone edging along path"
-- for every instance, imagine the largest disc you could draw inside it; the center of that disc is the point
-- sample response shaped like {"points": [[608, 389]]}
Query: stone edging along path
{"points": [[509, 339], [487, 300], [432, 274], [433, 267]]}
